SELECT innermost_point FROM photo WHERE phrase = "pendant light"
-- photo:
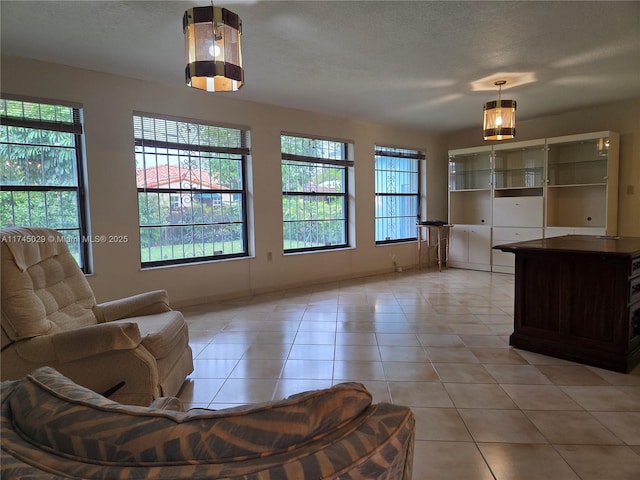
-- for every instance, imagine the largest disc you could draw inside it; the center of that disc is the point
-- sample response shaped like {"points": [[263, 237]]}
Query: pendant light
{"points": [[499, 117], [213, 49]]}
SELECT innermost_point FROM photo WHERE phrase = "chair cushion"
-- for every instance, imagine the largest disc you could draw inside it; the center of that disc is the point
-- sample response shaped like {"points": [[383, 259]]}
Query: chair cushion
{"points": [[43, 289], [59, 416]]}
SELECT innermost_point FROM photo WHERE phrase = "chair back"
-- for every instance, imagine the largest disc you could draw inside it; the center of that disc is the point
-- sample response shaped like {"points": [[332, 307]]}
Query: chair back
{"points": [[43, 290]]}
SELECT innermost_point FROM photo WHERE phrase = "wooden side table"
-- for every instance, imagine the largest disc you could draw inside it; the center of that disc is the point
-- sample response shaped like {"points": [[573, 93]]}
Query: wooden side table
{"points": [[444, 231]]}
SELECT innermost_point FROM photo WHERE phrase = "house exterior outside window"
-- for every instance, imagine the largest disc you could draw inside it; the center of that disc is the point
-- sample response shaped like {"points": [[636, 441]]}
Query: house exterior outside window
{"points": [[397, 193], [315, 196], [42, 178], [191, 180]]}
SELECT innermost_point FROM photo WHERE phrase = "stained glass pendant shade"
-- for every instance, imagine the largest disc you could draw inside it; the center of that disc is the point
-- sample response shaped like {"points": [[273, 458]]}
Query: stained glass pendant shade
{"points": [[499, 117], [213, 49]]}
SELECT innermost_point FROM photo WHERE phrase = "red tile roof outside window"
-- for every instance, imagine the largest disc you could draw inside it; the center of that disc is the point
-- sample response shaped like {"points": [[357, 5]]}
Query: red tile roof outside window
{"points": [[174, 176]]}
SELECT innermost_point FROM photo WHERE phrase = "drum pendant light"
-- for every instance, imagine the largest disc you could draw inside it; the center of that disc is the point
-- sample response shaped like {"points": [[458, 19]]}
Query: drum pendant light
{"points": [[499, 117], [213, 49]]}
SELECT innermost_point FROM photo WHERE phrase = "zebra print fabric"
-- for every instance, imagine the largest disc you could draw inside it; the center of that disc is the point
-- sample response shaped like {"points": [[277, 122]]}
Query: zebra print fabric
{"points": [[53, 427]]}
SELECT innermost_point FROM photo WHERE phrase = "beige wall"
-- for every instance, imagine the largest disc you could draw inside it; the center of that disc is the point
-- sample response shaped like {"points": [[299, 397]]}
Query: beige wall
{"points": [[108, 102], [623, 117]]}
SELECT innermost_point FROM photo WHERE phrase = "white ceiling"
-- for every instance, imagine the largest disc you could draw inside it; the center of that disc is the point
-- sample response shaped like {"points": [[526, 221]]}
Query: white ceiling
{"points": [[418, 64]]}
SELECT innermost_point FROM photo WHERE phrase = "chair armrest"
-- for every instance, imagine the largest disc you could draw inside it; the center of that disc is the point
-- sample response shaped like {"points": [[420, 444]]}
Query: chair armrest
{"points": [[168, 403], [80, 343], [147, 303]]}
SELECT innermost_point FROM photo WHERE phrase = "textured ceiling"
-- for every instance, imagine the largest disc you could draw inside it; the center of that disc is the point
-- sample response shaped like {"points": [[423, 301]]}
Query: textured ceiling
{"points": [[423, 64]]}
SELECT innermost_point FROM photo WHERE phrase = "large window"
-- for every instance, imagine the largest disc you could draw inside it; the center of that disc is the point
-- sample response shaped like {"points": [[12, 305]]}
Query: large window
{"points": [[41, 170], [397, 186], [314, 193], [191, 190]]}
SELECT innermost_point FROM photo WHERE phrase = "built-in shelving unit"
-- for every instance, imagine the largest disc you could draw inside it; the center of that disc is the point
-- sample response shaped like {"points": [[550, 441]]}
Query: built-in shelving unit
{"points": [[519, 166], [582, 184], [518, 197], [470, 184], [518, 191]]}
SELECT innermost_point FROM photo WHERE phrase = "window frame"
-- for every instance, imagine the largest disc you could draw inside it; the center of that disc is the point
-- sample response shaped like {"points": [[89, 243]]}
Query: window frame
{"points": [[346, 163], [244, 152], [75, 128], [401, 153]]}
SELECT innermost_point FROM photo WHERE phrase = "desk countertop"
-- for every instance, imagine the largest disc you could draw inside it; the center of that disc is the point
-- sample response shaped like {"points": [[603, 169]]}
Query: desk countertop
{"points": [[628, 246]]}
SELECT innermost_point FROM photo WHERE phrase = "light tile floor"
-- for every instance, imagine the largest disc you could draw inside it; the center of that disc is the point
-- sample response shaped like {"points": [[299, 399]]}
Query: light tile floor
{"points": [[437, 342]]}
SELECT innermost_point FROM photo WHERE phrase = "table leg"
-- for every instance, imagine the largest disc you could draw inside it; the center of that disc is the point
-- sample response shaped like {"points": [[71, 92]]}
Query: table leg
{"points": [[446, 260], [439, 249], [419, 247]]}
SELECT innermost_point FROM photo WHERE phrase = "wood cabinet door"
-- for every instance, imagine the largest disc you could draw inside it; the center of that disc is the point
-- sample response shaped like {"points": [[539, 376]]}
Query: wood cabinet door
{"points": [[597, 312], [541, 291], [577, 299]]}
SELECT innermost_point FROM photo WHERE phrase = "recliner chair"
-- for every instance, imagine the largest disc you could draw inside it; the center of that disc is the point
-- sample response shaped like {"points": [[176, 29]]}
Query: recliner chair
{"points": [[133, 350]]}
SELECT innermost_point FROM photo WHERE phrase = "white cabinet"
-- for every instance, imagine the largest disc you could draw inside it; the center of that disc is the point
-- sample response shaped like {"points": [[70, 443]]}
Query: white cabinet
{"points": [[561, 231], [470, 247], [518, 211], [504, 262], [519, 191]]}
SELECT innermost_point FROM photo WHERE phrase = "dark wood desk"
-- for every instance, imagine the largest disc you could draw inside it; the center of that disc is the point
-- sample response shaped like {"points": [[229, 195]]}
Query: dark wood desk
{"points": [[578, 298]]}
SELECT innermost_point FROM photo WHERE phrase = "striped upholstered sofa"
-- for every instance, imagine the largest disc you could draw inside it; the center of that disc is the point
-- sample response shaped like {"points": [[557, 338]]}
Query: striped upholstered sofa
{"points": [[53, 428]]}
